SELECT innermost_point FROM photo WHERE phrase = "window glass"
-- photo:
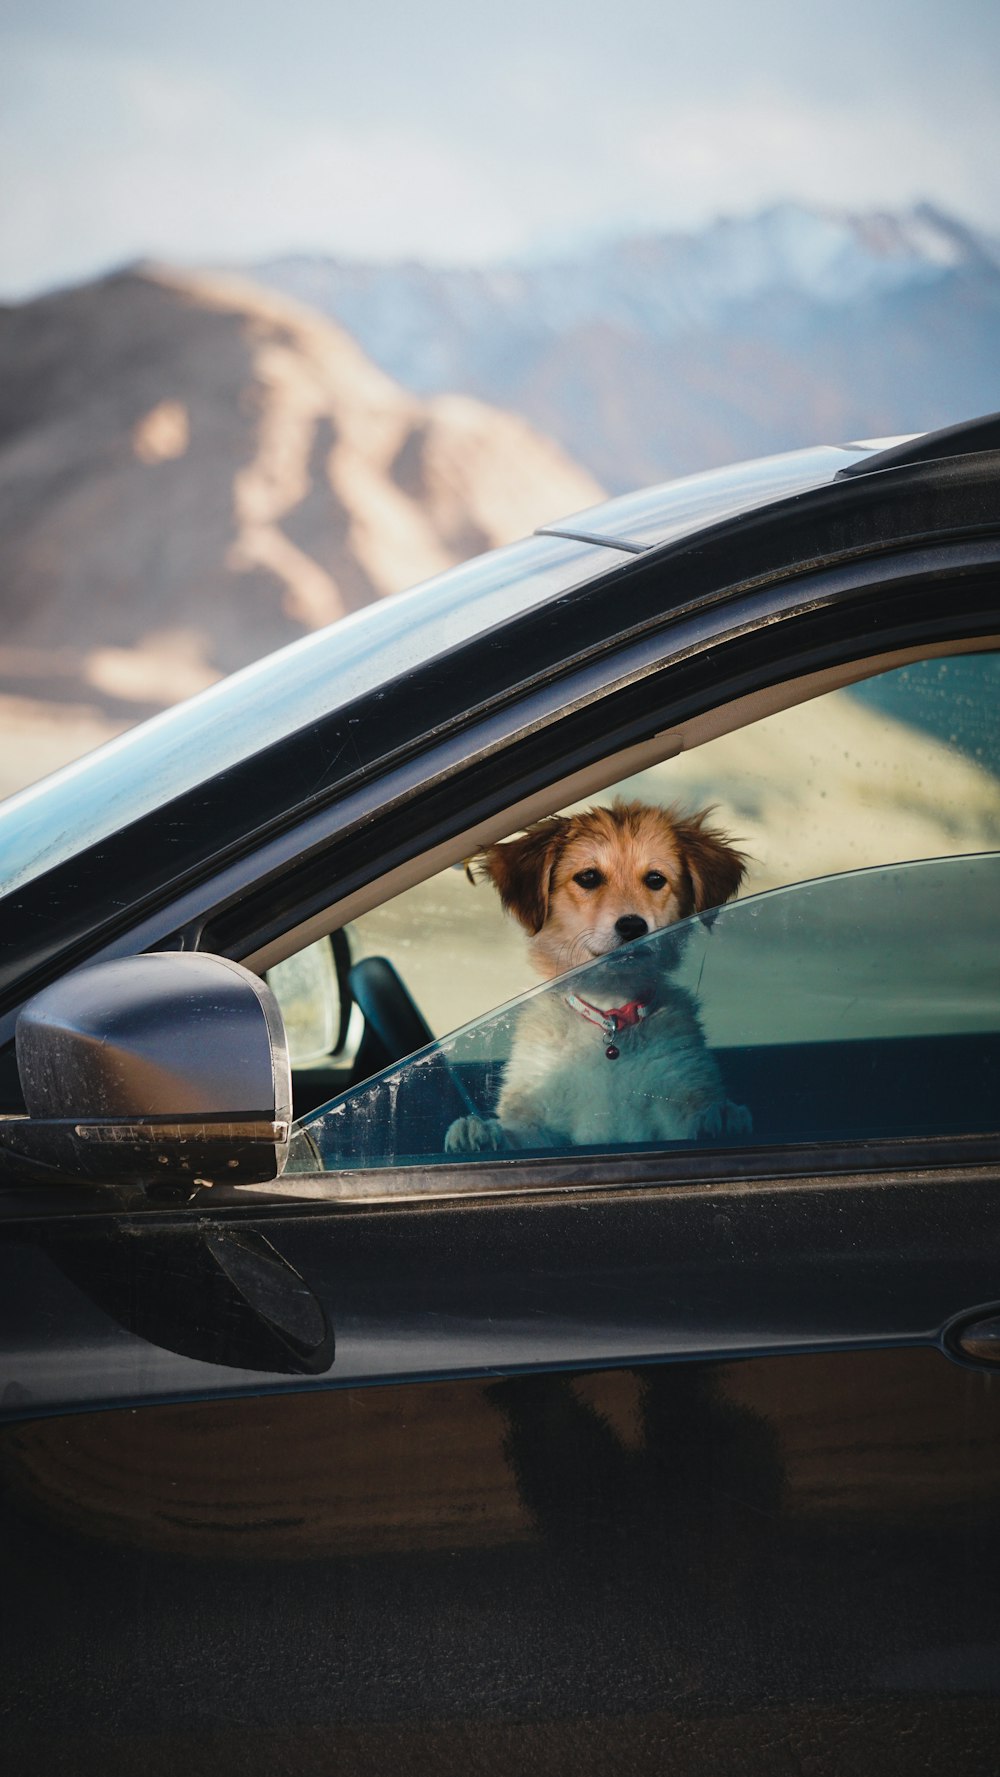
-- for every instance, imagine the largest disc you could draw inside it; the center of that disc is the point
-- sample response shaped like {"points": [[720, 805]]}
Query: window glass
{"points": [[866, 1005], [307, 990], [905, 765]]}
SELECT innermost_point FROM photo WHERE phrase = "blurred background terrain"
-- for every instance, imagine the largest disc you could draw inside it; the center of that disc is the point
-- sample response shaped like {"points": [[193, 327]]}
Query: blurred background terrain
{"points": [[194, 471], [296, 313], [662, 354]]}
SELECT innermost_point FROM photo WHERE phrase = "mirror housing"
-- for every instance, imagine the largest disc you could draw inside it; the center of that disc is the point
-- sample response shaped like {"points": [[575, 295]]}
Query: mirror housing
{"points": [[167, 1067]]}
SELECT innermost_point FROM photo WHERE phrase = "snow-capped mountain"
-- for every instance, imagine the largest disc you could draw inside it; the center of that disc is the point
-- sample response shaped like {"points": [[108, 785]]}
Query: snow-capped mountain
{"points": [[663, 285], [661, 354]]}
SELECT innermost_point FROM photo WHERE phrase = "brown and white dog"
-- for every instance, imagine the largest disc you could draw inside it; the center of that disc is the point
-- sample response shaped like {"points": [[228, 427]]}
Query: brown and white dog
{"points": [[629, 1062]]}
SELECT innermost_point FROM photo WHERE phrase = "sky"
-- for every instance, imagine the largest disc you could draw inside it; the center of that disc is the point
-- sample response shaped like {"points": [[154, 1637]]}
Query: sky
{"points": [[222, 131]]}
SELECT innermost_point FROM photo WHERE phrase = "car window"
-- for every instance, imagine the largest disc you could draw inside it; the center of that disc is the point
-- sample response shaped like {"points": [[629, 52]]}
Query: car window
{"points": [[865, 1005], [307, 989], [904, 765]]}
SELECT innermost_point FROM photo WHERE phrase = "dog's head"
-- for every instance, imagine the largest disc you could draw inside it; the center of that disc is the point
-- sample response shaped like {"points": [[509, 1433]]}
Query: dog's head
{"points": [[583, 885]]}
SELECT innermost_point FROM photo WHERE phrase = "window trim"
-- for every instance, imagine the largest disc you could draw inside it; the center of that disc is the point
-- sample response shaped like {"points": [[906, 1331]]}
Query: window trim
{"points": [[886, 1160]]}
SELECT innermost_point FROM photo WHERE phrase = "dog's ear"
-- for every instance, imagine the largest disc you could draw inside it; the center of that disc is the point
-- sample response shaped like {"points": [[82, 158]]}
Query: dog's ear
{"points": [[521, 869], [713, 868]]}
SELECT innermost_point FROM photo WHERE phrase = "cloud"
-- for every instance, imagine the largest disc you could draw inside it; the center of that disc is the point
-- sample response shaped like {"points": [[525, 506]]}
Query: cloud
{"points": [[767, 144], [167, 164], [113, 153]]}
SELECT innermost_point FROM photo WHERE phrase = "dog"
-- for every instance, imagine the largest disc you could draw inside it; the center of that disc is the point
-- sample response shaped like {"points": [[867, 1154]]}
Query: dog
{"points": [[628, 1062]]}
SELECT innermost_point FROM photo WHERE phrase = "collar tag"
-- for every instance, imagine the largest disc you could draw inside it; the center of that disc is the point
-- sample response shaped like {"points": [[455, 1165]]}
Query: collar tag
{"points": [[610, 1021]]}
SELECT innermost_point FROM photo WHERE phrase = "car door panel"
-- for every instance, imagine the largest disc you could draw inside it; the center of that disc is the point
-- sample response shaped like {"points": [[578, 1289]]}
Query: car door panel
{"points": [[698, 1567], [591, 1568], [425, 1289]]}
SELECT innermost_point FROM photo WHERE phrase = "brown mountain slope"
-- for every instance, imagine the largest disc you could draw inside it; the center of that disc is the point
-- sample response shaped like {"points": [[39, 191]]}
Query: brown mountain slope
{"points": [[194, 471]]}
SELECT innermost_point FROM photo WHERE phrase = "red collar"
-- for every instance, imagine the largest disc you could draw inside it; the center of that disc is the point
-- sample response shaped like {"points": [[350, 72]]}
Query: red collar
{"points": [[613, 1020]]}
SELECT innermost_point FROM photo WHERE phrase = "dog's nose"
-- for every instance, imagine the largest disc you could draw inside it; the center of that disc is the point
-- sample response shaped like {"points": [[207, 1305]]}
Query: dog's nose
{"points": [[631, 925]]}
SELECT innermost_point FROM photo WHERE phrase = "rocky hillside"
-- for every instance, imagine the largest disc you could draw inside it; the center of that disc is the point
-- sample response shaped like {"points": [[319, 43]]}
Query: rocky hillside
{"points": [[661, 355], [194, 471]]}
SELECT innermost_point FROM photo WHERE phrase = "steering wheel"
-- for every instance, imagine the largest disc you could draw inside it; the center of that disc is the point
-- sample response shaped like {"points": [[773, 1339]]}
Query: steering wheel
{"points": [[394, 1025]]}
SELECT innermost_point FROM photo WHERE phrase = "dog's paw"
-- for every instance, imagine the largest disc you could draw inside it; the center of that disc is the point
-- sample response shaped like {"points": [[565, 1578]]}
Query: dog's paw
{"points": [[736, 1119], [723, 1118], [474, 1135]]}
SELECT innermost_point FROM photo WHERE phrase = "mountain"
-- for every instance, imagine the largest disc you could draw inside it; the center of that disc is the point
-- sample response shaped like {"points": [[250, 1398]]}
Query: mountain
{"points": [[194, 471], [661, 355]]}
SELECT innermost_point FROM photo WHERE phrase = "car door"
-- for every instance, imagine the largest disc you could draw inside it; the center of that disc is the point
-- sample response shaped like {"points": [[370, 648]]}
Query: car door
{"points": [[676, 1456], [639, 1456]]}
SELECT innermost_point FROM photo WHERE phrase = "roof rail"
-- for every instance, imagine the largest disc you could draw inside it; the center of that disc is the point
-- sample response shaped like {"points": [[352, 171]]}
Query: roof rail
{"points": [[952, 441]]}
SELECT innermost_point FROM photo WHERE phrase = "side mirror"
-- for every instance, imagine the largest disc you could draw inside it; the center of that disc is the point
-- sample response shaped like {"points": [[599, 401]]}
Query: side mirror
{"points": [[171, 1066]]}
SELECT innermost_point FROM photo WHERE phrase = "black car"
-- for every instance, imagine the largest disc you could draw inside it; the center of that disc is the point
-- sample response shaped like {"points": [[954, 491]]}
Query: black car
{"points": [[326, 1448]]}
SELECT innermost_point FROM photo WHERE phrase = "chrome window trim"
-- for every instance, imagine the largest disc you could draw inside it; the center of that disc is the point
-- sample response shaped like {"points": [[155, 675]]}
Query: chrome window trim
{"points": [[794, 1166]]}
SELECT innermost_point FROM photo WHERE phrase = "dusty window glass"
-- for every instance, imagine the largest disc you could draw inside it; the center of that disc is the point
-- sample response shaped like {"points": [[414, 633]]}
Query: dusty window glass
{"points": [[866, 1005], [308, 992], [904, 765]]}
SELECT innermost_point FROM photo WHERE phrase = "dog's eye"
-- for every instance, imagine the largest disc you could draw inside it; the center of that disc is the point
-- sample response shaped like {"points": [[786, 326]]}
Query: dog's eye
{"points": [[589, 879], [655, 879]]}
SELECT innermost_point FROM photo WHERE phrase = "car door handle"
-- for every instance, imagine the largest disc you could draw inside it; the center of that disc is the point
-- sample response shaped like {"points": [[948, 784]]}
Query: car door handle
{"points": [[976, 1338]]}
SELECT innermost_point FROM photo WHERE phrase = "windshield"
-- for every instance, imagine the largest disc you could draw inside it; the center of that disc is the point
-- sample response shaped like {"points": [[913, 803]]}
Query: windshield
{"points": [[151, 764]]}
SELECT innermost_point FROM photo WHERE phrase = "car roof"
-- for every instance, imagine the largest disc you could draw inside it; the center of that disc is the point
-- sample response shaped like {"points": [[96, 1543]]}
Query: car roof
{"points": [[661, 515], [658, 515]]}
